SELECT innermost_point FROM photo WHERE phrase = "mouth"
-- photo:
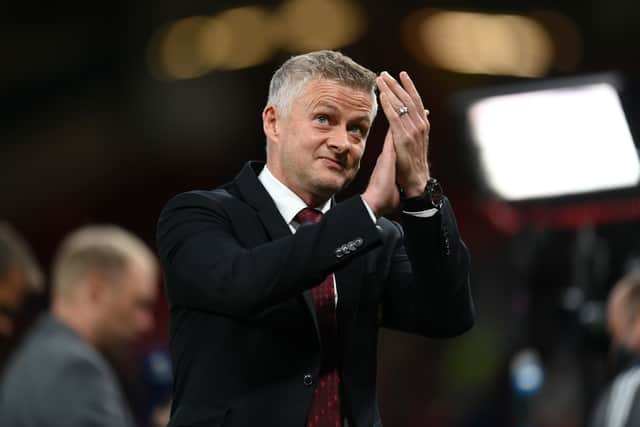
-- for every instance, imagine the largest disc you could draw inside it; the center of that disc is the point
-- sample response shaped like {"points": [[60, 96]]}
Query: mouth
{"points": [[332, 163]]}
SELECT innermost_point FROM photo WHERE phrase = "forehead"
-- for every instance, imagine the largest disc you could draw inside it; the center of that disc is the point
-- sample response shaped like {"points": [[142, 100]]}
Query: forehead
{"points": [[139, 278], [321, 92]]}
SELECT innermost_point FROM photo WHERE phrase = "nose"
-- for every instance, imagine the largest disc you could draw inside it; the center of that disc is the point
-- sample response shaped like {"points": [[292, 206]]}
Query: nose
{"points": [[339, 142]]}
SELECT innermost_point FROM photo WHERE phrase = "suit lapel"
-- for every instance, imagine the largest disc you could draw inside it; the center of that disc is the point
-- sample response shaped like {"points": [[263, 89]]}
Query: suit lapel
{"points": [[254, 193], [348, 279]]}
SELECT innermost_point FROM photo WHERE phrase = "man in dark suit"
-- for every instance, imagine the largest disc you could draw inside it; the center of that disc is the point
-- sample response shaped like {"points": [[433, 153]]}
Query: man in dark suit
{"points": [[276, 292], [104, 286]]}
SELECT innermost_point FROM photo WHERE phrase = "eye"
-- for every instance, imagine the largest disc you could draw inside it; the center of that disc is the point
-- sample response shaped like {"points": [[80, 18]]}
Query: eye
{"points": [[322, 119], [358, 129]]}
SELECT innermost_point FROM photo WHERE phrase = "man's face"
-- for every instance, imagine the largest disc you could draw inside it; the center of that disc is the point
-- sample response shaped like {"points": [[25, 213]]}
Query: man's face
{"points": [[316, 148], [128, 307], [13, 291]]}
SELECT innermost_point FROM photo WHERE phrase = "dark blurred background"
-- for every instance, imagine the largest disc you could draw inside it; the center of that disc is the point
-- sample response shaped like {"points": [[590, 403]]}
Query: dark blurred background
{"points": [[110, 108]]}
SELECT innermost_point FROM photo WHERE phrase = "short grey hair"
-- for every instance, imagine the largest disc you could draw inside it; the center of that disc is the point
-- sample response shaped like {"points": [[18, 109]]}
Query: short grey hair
{"points": [[290, 79], [104, 249]]}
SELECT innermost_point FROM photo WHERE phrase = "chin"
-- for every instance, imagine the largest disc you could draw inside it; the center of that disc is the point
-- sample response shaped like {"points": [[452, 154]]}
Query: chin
{"points": [[337, 180], [331, 185]]}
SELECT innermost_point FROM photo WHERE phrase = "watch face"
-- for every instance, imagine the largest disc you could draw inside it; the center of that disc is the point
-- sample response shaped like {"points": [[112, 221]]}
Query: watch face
{"points": [[434, 190]]}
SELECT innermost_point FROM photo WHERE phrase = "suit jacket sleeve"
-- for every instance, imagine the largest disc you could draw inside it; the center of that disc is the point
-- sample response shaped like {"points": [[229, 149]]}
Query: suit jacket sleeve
{"points": [[207, 267], [427, 289]]}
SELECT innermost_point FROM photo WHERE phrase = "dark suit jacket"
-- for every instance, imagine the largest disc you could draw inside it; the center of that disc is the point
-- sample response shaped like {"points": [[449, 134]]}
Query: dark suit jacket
{"points": [[244, 336]]}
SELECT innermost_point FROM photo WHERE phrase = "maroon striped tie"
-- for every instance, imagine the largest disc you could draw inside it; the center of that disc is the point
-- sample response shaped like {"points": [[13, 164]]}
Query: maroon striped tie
{"points": [[325, 406]]}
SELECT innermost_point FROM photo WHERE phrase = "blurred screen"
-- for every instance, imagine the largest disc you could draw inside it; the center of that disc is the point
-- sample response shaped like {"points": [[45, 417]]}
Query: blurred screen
{"points": [[554, 142]]}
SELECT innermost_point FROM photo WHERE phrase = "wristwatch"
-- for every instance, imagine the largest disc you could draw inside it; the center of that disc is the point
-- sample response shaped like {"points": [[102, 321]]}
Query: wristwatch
{"points": [[432, 197], [434, 194]]}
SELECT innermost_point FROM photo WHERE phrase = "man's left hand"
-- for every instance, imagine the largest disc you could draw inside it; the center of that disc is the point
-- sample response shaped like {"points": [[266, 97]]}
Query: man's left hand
{"points": [[409, 130]]}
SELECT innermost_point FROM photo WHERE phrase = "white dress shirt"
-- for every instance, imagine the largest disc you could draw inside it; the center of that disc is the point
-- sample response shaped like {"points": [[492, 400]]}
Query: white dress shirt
{"points": [[289, 204]]}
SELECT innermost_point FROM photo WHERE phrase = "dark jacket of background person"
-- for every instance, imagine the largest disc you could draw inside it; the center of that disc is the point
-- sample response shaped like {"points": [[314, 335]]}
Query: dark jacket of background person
{"points": [[244, 337], [57, 379]]}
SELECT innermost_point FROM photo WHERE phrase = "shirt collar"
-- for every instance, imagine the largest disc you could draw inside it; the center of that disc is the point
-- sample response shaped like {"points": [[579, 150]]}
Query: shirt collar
{"points": [[287, 202]]}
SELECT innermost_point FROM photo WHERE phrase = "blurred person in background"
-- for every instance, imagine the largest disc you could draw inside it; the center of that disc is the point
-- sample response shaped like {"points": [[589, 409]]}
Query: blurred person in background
{"points": [[263, 333], [104, 288], [20, 274], [619, 404], [158, 382]]}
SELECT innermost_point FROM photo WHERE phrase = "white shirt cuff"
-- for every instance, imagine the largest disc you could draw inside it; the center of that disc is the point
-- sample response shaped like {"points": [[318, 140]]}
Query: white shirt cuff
{"points": [[373, 217], [422, 214]]}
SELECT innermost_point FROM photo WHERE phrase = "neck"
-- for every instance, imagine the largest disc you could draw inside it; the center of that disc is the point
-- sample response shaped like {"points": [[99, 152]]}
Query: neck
{"points": [[75, 319], [310, 199]]}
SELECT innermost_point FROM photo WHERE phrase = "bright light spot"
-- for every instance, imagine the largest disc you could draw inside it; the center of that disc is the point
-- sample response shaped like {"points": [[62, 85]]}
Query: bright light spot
{"points": [[479, 43], [215, 43], [191, 47], [247, 36], [526, 372], [319, 24], [237, 38], [438, 49], [567, 39], [173, 50], [554, 142]]}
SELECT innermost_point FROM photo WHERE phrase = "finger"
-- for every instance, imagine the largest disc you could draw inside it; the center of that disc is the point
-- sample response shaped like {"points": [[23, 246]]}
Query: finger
{"points": [[390, 111], [408, 85], [384, 88], [426, 120], [385, 168], [402, 95], [387, 157], [410, 125], [396, 102], [388, 146], [392, 108]]}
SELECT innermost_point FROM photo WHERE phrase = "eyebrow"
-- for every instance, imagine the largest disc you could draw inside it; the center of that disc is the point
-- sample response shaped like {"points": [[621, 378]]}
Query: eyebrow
{"points": [[323, 104]]}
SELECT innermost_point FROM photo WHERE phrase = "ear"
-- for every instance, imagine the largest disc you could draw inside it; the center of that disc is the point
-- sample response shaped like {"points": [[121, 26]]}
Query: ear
{"points": [[96, 287], [271, 122]]}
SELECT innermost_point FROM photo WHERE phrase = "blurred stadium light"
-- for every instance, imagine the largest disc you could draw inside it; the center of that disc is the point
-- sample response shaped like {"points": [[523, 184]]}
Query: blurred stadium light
{"points": [[527, 373], [320, 24], [237, 38], [173, 50], [493, 44], [248, 36], [191, 47], [550, 139]]}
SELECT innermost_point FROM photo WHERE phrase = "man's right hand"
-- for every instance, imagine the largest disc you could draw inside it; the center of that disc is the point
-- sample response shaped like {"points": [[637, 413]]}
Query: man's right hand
{"points": [[382, 194]]}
